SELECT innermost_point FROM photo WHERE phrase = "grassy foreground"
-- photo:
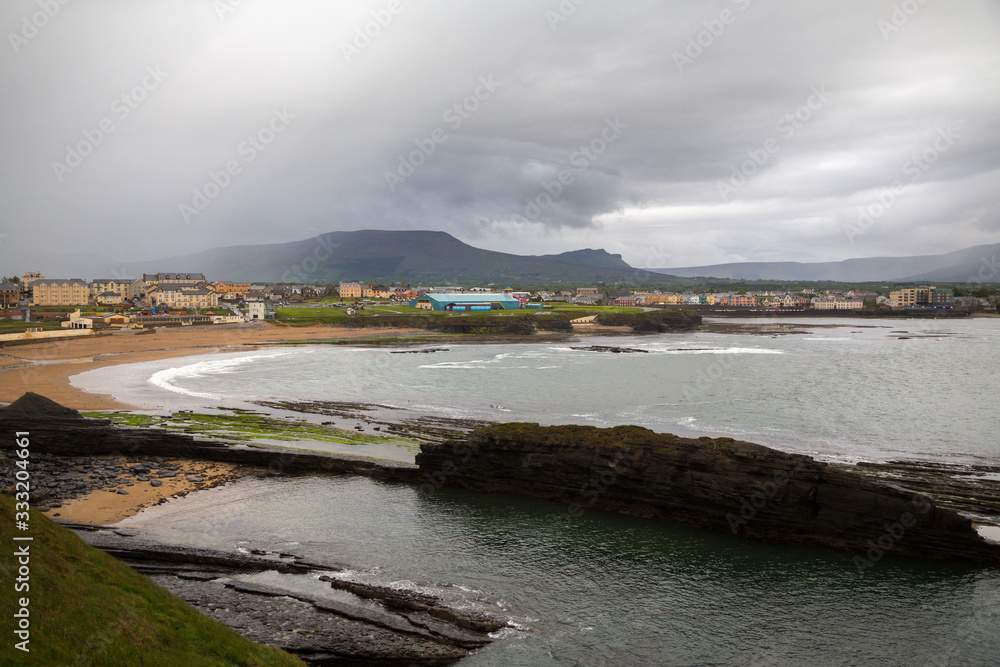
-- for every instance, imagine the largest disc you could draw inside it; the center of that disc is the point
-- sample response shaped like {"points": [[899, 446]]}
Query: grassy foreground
{"points": [[86, 608]]}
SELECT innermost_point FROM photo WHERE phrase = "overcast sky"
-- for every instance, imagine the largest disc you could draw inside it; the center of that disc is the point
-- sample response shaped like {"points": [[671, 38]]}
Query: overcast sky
{"points": [[685, 133]]}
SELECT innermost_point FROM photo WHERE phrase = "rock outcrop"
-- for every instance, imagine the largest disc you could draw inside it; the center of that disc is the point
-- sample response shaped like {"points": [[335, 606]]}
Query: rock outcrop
{"points": [[656, 321], [365, 625], [723, 484]]}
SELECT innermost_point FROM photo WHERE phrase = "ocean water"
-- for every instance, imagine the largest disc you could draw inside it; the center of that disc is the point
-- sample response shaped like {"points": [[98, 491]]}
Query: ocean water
{"points": [[604, 589], [849, 390]]}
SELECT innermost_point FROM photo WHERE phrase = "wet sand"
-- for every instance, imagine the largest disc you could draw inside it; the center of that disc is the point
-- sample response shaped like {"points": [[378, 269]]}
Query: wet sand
{"points": [[106, 506], [45, 367]]}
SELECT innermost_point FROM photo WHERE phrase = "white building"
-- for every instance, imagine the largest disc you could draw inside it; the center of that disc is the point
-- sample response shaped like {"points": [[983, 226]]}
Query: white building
{"points": [[260, 310]]}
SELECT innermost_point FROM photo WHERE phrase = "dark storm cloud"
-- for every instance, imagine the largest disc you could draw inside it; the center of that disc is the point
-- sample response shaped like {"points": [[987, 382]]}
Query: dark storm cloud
{"points": [[741, 129]]}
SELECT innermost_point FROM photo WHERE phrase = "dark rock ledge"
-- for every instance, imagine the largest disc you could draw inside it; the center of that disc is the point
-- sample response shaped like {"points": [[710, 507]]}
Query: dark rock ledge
{"points": [[722, 484], [613, 349], [363, 625]]}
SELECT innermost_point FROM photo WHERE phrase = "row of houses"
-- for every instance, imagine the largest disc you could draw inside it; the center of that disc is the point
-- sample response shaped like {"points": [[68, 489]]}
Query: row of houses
{"points": [[367, 291], [161, 289], [916, 297], [188, 288], [191, 290]]}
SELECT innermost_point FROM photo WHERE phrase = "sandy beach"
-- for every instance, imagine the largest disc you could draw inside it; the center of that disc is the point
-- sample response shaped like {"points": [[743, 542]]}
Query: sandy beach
{"points": [[45, 367], [106, 507]]}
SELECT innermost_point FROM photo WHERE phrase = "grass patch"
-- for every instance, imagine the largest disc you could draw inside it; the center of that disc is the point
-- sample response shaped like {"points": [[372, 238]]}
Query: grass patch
{"points": [[319, 313], [246, 426], [10, 326], [125, 418], [86, 608]]}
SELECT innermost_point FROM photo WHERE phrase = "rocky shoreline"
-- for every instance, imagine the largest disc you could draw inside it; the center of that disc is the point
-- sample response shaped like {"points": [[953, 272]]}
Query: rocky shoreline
{"points": [[419, 429], [722, 484], [62, 479], [322, 618]]}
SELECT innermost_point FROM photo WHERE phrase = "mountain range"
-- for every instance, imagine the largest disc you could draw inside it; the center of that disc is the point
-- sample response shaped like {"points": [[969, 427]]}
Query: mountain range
{"points": [[975, 264], [428, 257], [423, 257]]}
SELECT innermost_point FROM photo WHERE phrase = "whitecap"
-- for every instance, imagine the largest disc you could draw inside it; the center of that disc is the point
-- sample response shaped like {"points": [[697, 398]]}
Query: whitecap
{"points": [[169, 378]]}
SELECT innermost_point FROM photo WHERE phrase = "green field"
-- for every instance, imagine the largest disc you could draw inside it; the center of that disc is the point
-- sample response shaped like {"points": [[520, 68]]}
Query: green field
{"points": [[86, 608], [310, 314], [10, 326]]}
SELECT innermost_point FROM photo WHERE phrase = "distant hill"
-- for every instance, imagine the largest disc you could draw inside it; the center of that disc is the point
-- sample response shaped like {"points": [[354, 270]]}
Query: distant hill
{"points": [[383, 256], [436, 258], [968, 265]]}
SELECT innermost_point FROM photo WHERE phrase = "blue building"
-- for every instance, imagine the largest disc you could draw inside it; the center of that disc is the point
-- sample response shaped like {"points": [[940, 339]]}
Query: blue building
{"points": [[465, 302]]}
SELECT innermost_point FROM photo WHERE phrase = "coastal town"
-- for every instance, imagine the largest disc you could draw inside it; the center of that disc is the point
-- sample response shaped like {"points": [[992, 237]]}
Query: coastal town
{"points": [[183, 299]]}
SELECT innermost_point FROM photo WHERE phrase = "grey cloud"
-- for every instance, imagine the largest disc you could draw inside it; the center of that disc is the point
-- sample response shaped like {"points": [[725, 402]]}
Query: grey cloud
{"points": [[656, 186]]}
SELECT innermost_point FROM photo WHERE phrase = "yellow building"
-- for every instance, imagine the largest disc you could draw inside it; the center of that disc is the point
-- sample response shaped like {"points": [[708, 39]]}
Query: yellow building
{"points": [[187, 278], [59, 292], [850, 304], [908, 297], [666, 299], [126, 288], [183, 295], [26, 280], [375, 292], [232, 289], [31, 277], [108, 298], [352, 290]]}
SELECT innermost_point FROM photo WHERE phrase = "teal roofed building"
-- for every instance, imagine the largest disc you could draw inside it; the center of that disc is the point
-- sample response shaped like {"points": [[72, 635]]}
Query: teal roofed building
{"points": [[465, 302]]}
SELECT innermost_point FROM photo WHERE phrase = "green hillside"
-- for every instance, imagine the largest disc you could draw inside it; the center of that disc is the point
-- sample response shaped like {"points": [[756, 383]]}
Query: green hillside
{"points": [[86, 608], [383, 256]]}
